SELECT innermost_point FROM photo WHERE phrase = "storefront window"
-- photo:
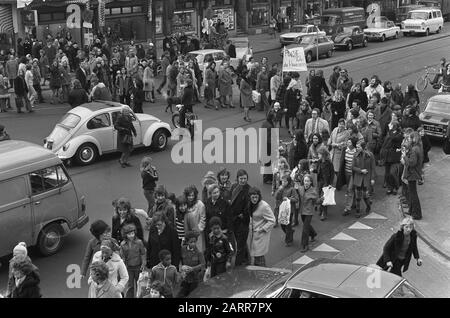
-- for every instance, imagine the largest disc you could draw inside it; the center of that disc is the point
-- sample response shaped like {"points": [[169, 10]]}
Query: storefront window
{"points": [[226, 16], [126, 10], [137, 9], [184, 21], [128, 27], [260, 16], [115, 10]]}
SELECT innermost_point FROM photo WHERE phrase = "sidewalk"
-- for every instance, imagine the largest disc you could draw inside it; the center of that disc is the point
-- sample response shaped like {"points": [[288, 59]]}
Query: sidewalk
{"points": [[434, 228], [264, 42]]}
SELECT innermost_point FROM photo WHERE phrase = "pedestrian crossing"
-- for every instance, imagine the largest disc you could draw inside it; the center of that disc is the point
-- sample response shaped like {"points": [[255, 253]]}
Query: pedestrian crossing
{"points": [[342, 240]]}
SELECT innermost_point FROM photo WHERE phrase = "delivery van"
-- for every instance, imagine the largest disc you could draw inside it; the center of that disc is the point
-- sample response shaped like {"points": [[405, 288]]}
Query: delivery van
{"points": [[39, 203], [333, 21]]}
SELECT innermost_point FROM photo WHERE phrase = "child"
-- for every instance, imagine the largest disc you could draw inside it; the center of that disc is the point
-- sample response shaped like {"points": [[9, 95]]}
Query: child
{"points": [[278, 112], [193, 263], [166, 272], [181, 209], [134, 255], [20, 251], [219, 250], [157, 290], [278, 172], [101, 231]]}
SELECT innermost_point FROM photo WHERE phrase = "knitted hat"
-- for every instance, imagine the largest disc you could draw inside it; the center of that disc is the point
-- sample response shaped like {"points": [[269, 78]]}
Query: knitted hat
{"points": [[209, 179], [128, 228], [20, 248]]}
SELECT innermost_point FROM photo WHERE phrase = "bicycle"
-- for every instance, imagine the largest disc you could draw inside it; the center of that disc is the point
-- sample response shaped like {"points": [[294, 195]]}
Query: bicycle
{"points": [[423, 81], [189, 119]]}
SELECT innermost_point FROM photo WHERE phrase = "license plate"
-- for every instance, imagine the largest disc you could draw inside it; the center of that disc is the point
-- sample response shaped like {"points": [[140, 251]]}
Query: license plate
{"points": [[433, 128]]}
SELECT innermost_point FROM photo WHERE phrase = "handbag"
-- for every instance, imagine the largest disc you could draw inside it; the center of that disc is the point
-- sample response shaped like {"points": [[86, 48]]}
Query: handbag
{"points": [[328, 196], [284, 212], [127, 139], [256, 96]]}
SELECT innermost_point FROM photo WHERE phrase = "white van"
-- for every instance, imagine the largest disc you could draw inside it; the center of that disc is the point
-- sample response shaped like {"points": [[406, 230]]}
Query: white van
{"points": [[423, 21]]}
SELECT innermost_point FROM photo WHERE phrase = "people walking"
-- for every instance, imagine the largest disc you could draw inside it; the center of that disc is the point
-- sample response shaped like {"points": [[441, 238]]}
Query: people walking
{"points": [[308, 199], [149, 176], [126, 130], [363, 176]]}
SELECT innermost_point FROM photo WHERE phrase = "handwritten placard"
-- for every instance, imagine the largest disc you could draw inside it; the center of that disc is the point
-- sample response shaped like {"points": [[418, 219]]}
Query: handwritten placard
{"points": [[294, 60]]}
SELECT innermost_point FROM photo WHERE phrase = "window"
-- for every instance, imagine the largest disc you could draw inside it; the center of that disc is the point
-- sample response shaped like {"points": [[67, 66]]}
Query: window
{"points": [[126, 10], [47, 179], [219, 56], [430, 16], [298, 293], [439, 14], [45, 17], [323, 39], [100, 121], [405, 290], [434, 14], [137, 9], [115, 115], [70, 121], [13, 190], [115, 10]]}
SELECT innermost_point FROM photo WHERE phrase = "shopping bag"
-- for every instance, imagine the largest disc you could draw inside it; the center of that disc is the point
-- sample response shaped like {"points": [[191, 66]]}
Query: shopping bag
{"points": [[284, 212], [256, 96], [143, 284], [328, 196], [207, 274]]}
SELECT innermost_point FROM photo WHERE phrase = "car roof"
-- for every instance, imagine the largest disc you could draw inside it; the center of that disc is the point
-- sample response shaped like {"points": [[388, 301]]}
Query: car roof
{"points": [[342, 279], [441, 98], [208, 51], [88, 109], [302, 25], [18, 157]]}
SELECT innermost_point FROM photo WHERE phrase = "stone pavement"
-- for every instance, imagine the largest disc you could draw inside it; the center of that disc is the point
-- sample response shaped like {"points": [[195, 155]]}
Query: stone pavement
{"points": [[434, 228]]}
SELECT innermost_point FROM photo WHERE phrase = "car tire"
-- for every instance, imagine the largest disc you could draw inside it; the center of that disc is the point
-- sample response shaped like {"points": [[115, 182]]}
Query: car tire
{"points": [[308, 57], [159, 140], [383, 38], [330, 53], [176, 120], [349, 46], [50, 239], [438, 30], [86, 154], [427, 32], [364, 43]]}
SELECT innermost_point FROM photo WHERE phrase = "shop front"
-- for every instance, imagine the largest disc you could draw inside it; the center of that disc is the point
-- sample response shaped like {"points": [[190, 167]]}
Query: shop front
{"points": [[185, 18], [6, 27], [259, 15], [223, 10], [128, 20]]}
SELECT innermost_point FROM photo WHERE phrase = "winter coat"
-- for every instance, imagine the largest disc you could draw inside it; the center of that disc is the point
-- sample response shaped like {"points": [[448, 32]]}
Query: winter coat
{"points": [[11, 69], [317, 84], [222, 209], [413, 164], [225, 81], [361, 96], [195, 220], [345, 85], [82, 77], [325, 173], [262, 82], [246, 93], [239, 205], [130, 219], [124, 126], [165, 208], [392, 142], [78, 97], [281, 93], [292, 100], [332, 81], [303, 117], [337, 112], [383, 116], [363, 160], [55, 77], [262, 221], [124, 85], [308, 200], [321, 124], [167, 275], [20, 86], [132, 252], [411, 122], [296, 153], [28, 288], [339, 138], [118, 274], [393, 247], [92, 247], [108, 290], [167, 240], [196, 260], [410, 94], [66, 79]]}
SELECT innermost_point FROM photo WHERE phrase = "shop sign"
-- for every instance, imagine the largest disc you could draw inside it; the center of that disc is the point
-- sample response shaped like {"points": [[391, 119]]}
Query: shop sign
{"points": [[294, 60], [226, 16], [29, 17]]}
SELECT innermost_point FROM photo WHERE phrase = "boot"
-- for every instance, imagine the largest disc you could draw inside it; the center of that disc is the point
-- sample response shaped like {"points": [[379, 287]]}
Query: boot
{"points": [[304, 249], [368, 205], [358, 209]]}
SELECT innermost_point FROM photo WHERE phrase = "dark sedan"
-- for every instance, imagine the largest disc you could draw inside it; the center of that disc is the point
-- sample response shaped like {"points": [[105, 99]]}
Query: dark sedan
{"points": [[350, 37]]}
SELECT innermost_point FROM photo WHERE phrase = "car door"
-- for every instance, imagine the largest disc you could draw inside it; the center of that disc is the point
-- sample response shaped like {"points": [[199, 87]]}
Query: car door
{"points": [[52, 196], [435, 21], [101, 129], [137, 125], [357, 36], [16, 218]]}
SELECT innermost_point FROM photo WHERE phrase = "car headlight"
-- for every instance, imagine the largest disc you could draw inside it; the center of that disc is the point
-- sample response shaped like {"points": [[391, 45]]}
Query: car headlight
{"points": [[423, 25], [66, 146], [403, 25]]}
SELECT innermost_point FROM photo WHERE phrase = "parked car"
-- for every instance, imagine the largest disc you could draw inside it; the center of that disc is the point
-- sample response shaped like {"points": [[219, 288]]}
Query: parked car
{"points": [[87, 131], [402, 12], [297, 32], [39, 202], [312, 45], [423, 21], [204, 57], [322, 278], [350, 37], [436, 116], [241, 282], [382, 29]]}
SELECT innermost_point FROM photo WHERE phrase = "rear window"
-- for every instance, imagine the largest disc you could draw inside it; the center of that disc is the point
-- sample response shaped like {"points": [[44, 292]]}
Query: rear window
{"points": [[438, 107], [13, 190], [70, 120], [405, 290]]}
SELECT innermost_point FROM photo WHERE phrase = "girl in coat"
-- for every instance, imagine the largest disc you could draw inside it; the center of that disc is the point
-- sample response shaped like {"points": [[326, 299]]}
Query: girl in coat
{"points": [[286, 191], [195, 217], [55, 81], [337, 108], [149, 83], [210, 85], [26, 279], [390, 154], [118, 274], [308, 200], [126, 130], [303, 114], [338, 142], [245, 88], [262, 221], [399, 248], [325, 176], [224, 182]]}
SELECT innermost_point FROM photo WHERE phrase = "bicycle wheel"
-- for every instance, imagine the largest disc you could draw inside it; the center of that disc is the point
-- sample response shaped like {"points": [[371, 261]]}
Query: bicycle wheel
{"points": [[422, 83]]}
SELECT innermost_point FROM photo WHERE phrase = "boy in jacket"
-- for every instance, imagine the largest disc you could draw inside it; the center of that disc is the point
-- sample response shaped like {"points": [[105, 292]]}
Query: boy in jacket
{"points": [[218, 250], [193, 264], [165, 272]]}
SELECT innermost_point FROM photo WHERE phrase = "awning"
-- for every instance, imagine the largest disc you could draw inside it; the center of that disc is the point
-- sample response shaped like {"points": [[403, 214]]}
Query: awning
{"points": [[6, 20]]}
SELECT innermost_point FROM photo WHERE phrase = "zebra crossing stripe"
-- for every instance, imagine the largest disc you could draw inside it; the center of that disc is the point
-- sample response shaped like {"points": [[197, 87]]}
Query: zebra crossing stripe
{"points": [[325, 248], [360, 226], [303, 260], [375, 216], [343, 237]]}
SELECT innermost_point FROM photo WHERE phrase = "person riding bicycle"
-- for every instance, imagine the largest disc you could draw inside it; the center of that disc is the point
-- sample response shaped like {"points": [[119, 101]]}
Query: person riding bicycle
{"points": [[442, 69], [188, 101]]}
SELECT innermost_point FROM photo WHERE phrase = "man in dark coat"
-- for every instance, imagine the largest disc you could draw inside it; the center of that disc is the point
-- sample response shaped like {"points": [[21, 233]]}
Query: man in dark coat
{"points": [[162, 205], [411, 120], [399, 248], [27, 47], [363, 176], [27, 273], [316, 84], [231, 49], [216, 205], [21, 90], [187, 100], [268, 124], [77, 95], [332, 81], [81, 75]]}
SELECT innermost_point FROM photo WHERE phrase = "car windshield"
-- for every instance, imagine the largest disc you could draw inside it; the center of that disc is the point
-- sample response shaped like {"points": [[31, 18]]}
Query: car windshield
{"points": [[347, 30], [438, 107], [274, 289], [418, 15], [299, 29], [69, 121], [405, 290], [328, 20], [307, 40]]}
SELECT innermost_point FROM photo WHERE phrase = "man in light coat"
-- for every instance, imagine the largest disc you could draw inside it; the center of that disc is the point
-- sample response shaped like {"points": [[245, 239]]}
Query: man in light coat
{"points": [[315, 124]]}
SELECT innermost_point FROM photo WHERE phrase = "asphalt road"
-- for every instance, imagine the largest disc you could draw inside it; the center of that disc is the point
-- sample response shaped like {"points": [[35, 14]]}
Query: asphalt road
{"points": [[105, 180]]}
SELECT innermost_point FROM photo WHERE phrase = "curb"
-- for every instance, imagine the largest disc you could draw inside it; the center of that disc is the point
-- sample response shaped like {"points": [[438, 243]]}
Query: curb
{"points": [[425, 237]]}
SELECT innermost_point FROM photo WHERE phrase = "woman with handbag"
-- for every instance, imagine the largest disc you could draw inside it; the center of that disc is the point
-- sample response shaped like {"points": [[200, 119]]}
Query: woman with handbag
{"points": [[246, 94], [126, 130]]}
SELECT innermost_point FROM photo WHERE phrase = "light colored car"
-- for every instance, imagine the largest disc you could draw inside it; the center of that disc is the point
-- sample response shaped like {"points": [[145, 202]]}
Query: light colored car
{"points": [[436, 116], [297, 32], [382, 29], [423, 21], [312, 45], [87, 131], [205, 56]]}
